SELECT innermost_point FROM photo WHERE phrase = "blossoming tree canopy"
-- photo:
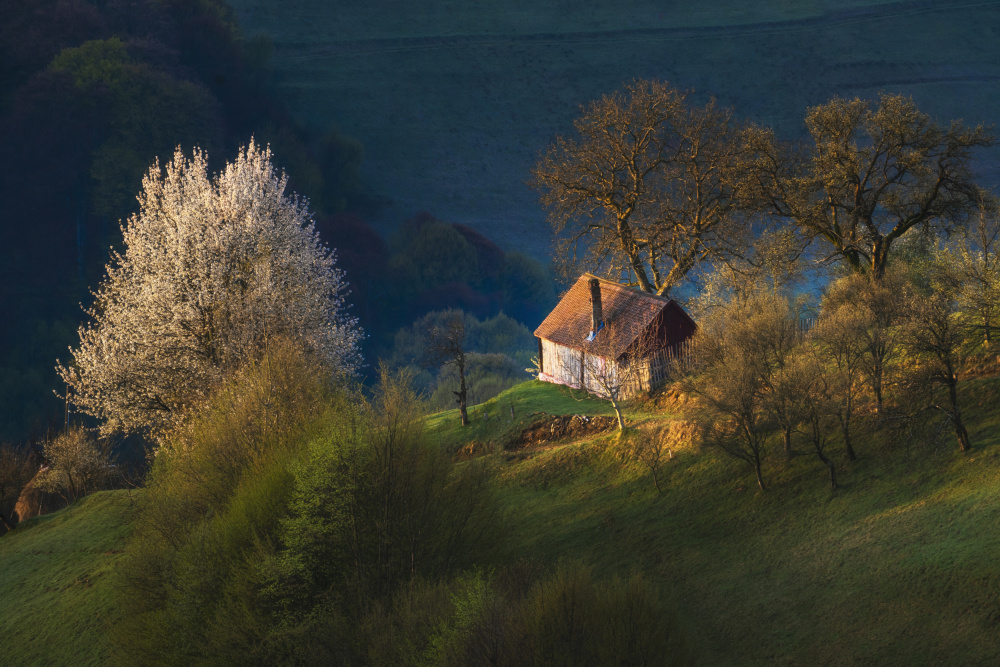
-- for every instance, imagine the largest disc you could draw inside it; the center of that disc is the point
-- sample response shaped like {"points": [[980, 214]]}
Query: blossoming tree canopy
{"points": [[213, 267]]}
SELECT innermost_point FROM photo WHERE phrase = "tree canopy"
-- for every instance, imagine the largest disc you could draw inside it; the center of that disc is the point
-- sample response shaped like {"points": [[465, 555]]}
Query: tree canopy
{"points": [[870, 173], [213, 268], [647, 186]]}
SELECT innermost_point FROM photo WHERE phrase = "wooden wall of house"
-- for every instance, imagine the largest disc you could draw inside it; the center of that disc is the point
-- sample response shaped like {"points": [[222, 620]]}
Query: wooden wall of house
{"points": [[561, 364], [670, 328]]}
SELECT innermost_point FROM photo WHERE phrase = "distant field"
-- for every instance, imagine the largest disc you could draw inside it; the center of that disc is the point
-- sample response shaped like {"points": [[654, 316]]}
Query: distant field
{"points": [[454, 100]]}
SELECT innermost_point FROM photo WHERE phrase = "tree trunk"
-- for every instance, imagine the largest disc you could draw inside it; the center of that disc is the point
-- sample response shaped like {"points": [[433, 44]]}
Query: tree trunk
{"points": [[756, 469], [786, 434], [829, 464], [462, 393], [656, 478], [877, 372], [618, 414], [956, 418], [845, 427], [962, 434], [6, 522]]}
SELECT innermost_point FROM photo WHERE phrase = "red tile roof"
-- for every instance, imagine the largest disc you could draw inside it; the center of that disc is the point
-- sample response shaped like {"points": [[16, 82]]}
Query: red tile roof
{"points": [[627, 313]]}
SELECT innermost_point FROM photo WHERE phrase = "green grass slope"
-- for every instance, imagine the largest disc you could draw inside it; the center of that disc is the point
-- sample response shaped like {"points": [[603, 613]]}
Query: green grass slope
{"points": [[897, 567], [55, 598], [454, 100]]}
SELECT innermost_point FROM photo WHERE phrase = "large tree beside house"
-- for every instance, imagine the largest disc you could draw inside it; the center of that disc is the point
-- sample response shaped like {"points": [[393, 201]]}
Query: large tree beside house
{"points": [[646, 186], [870, 173]]}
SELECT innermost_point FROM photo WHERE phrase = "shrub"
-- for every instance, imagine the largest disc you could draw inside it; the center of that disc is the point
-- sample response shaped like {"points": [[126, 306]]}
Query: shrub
{"points": [[515, 618], [189, 579], [77, 464]]}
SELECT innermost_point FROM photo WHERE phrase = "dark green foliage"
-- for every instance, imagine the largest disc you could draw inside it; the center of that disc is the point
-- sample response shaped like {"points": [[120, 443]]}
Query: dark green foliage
{"points": [[500, 335], [147, 112], [282, 510], [528, 289], [439, 255], [517, 617], [210, 512], [375, 505], [435, 265]]}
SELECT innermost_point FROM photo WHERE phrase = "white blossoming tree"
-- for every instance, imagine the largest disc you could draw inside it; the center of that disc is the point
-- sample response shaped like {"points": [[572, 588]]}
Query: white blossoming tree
{"points": [[213, 268]]}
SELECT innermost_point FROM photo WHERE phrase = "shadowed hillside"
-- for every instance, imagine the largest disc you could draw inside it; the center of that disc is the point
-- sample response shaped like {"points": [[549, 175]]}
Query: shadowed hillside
{"points": [[453, 101]]}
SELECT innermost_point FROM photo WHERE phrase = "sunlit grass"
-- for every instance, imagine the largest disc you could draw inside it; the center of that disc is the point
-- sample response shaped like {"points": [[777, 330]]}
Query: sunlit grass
{"points": [[897, 567], [55, 597]]}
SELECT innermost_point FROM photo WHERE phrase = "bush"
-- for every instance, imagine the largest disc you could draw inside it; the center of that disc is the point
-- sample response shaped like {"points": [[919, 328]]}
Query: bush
{"points": [[215, 495], [514, 618], [283, 511], [374, 506], [76, 464]]}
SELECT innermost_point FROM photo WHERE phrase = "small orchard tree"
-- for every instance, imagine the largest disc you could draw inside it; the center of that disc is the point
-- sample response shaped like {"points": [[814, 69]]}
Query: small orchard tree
{"points": [[810, 382], [878, 309], [76, 464], [937, 338], [841, 341], [976, 265], [213, 268], [617, 362], [743, 347], [653, 451]]}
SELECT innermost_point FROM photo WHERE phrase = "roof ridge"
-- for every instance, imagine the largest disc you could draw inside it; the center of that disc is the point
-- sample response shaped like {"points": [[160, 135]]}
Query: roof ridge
{"points": [[631, 288]]}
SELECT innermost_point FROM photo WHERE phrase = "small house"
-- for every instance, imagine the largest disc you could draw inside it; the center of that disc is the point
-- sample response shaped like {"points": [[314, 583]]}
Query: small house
{"points": [[600, 327]]}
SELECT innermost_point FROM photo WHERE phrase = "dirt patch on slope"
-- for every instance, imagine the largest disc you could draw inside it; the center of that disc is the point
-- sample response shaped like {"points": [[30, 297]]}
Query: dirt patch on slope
{"points": [[558, 427]]}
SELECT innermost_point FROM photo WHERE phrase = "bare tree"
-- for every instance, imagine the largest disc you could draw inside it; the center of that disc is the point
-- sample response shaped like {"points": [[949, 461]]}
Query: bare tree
{"points": [[871, 173], [446, 346], [810, 383], [841, 343], [647, 186], [880, 307], [975, 262], [76, 464], [937, 336], [772, 263], [653, 451], [743, 347], [614, 375]]}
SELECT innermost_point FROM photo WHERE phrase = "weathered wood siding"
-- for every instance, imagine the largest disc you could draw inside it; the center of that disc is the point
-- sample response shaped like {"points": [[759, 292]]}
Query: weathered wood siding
{"points": [[561, 364]]}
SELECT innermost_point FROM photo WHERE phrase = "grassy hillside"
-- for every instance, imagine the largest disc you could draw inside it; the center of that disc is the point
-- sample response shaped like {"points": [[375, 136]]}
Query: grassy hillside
{"points": [[55, 597], [897, 567], [454, 100]]}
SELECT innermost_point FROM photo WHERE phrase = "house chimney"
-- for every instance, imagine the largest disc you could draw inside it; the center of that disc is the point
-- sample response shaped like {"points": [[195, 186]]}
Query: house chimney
{"points": [[597, 314]]}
